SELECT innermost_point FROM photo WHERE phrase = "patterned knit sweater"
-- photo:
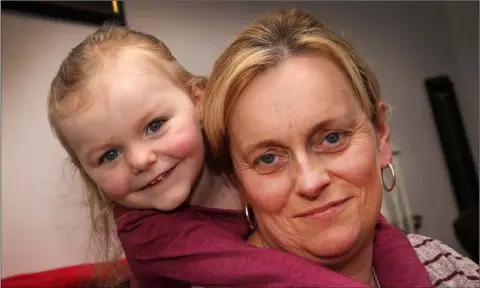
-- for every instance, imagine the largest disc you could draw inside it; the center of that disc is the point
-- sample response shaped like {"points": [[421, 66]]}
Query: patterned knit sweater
{"points": [[445, 267]]}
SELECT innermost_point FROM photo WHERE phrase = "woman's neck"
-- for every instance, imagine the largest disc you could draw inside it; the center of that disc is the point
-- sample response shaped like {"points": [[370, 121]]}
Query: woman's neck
{"points": [[212, 191], [357, 267]]}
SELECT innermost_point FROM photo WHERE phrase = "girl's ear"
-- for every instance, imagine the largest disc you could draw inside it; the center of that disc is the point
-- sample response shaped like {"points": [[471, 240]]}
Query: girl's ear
{"points": [[198, 96], [197, 91]]}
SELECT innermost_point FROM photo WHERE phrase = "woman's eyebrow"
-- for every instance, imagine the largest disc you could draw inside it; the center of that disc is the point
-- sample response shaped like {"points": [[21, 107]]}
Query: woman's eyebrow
{"points": [[269, 142], [261, 144], [344, 119]]}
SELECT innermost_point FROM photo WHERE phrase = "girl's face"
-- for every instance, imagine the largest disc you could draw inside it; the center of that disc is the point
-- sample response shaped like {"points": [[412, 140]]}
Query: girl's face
{"points": [[140, 141]]}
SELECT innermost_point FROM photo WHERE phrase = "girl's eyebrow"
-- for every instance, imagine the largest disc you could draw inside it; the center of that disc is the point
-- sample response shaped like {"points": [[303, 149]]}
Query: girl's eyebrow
{"points": [[90, 152]]}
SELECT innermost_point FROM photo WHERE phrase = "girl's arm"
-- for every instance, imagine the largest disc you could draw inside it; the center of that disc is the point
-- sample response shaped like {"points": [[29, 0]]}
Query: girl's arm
{"points": [[208, 249]]}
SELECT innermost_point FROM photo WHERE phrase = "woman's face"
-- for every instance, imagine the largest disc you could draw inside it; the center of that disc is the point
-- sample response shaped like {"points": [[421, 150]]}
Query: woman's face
{"points": [[309, 160]]}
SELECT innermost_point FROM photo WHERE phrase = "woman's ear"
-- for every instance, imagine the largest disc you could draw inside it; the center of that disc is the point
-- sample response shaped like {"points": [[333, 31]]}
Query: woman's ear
{"points": [[383, 135]]}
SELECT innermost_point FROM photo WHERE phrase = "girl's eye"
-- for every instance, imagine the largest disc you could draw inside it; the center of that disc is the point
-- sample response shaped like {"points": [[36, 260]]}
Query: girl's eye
{"points": [[110, 155], [154, 126]]}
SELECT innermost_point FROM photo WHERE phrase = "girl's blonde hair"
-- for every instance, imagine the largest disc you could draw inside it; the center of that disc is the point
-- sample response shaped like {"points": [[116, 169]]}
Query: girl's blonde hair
{"points": [[264, 44], [76, 74]]}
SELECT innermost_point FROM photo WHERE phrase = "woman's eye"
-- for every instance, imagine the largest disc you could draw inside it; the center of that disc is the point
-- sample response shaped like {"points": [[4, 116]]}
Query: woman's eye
{"points": [[266, 159], [270, 162], [154, 126], [333, 138], [110, 155]]}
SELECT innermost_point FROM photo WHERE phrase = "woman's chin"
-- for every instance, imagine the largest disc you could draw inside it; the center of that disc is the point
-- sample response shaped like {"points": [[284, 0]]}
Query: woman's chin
{"points": [[335, 247]]}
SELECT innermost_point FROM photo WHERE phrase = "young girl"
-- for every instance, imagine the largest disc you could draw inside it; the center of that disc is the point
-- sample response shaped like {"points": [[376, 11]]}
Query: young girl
{"points": [[128, 115]]}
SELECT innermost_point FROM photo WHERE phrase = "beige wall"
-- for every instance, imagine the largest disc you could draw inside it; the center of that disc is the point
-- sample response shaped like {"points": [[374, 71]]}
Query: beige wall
{"points": [[43, 225]]}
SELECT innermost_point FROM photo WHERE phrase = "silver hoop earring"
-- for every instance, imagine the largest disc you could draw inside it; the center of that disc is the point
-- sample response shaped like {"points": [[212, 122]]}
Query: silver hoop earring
{"points": [[394, 179], [249, 216]]}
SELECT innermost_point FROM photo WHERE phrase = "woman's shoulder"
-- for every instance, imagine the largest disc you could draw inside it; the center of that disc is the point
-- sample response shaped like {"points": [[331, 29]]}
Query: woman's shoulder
{"points": [[445, 266]]}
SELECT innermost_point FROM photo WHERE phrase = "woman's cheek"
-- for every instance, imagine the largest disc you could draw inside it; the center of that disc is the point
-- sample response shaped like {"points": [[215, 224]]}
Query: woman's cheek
{"points": [[266, 192], [357, 164]]}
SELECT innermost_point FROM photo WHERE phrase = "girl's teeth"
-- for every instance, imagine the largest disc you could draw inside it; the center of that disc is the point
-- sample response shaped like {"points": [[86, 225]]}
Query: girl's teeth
{"points": [[160, 178]]}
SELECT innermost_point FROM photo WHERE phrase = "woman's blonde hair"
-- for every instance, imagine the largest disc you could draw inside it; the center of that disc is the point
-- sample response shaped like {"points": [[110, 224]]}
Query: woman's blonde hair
{"points": [[77, 74], [263, 45]]}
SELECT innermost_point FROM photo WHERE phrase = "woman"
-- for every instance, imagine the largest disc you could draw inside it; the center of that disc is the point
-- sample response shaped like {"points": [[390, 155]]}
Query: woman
{"points": [[296, 117]]}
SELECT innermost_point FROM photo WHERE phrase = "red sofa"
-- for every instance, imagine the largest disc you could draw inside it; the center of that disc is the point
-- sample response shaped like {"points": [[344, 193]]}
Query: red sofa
{"points": [[85, 275]]}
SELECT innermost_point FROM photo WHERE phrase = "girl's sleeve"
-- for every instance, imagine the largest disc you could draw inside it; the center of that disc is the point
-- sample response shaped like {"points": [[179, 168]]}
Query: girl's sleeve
{"points": [[189, 246]]}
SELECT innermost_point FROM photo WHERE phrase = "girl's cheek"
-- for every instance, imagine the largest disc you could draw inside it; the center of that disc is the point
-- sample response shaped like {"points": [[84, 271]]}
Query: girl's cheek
{"points": [[185, 140], [114, 184]]}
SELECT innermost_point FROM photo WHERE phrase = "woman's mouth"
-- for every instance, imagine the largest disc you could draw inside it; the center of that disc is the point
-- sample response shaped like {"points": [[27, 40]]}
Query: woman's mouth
{"points": [[325, 211]]}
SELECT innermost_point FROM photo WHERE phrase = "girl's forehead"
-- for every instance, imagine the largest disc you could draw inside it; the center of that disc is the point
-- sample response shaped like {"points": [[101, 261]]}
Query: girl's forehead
{"points": [[135, 60], [124, 101]]}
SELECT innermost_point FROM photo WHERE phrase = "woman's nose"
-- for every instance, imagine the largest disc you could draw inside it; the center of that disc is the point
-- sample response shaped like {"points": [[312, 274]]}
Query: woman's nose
{"points": [[140, 159], [311, 180]]}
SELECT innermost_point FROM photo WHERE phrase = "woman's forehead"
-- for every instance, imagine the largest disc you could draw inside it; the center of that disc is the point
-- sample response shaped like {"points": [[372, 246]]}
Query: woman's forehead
{"points": [[300, 88]]}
